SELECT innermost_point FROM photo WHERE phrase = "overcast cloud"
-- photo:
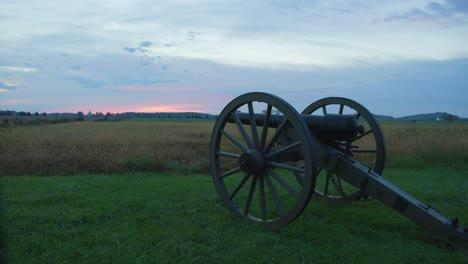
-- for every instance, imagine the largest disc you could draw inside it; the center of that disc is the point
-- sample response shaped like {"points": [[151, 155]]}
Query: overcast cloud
{"points": [[395, 57]]}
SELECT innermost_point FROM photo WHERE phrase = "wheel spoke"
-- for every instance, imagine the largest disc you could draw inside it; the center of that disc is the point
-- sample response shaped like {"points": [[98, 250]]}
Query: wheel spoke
{"points": [[239, 186], [253, 124], [283, 183], [339, 187], [357, 115], [231, 172], [235, 141], [242, 130], [324, 109], [341, 109], [274, 193], [285, 166], [229, 155], [253, 183], [261, 188], [319, 169], [283, 149], [266, 124], [276, 135], [362, 135]]}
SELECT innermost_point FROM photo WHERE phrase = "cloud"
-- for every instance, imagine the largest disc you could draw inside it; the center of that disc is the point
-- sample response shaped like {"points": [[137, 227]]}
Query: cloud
{"points": [[458, 6], [14, 102], [17, 69], [451, 11], [131, 50], [89, 82], [450, 8], [188, 107], [191, 35], [146, 43], [438, 9], [6, 87], [296, 49], [75, 67]]}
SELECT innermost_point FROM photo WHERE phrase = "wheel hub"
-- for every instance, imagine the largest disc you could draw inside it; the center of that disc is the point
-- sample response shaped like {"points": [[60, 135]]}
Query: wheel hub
{"points": [[252, 161]]}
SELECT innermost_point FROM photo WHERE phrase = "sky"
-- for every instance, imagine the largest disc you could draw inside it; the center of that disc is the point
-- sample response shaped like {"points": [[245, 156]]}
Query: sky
{"points": [[395, 57]]}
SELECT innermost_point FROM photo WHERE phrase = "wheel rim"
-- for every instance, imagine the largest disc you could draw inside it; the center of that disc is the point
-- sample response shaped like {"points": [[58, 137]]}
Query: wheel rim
{"points": [[367, 148], [250, 164]]}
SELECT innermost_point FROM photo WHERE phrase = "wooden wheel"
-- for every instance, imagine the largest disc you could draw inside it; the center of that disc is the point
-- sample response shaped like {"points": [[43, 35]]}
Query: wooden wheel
{"points": [[252, 162], [368, 148]]}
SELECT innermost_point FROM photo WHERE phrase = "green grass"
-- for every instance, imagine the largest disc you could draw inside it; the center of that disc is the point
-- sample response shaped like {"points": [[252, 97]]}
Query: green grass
{"points": [[160, 218]]}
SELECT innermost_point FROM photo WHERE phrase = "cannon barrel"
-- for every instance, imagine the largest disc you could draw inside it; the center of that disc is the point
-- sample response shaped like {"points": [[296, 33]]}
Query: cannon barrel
{"points": [[328, 127]]}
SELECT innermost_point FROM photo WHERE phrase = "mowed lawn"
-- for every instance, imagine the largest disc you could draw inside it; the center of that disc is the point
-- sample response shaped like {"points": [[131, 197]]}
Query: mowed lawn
{"points": [[167, 218]]}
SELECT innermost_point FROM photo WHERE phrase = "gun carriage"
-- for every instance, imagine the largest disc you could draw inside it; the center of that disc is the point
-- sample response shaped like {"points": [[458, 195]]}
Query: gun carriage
{"points": [[267, 161]]}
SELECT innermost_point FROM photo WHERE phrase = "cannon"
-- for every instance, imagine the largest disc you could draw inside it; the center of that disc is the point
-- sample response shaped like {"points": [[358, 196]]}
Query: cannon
{"points": [[267, 161]]}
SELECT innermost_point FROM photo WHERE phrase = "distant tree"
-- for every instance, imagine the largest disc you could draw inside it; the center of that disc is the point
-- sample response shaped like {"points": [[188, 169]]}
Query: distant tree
{"points": [[10, 113], [449, 117], [452, 118], [44, 114], [80, 114], [36, 114], [28, 113]]}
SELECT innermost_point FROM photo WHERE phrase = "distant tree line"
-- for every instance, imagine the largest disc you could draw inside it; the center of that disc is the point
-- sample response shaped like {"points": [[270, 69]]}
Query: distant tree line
{"points": [[20, 113], [448, 117], [108, 115], [166, 115]]}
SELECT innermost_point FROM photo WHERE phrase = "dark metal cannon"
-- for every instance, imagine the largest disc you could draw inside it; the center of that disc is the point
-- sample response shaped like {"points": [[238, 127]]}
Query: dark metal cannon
{"points": [[267, 160], [328, 127]]}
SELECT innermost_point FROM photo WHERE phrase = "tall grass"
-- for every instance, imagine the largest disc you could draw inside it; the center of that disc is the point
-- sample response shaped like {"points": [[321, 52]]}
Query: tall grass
{"points": [[426, 144], [104, 147], [100, 147]]}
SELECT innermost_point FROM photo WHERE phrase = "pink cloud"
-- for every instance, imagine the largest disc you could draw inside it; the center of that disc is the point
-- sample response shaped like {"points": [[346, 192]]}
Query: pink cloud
{"points": [[171, 108], [151, 89]]}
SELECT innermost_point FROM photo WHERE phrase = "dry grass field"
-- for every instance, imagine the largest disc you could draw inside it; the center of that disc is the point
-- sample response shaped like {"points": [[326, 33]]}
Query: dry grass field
{"points": [[426, 144], [83, 147], [182, 147]]}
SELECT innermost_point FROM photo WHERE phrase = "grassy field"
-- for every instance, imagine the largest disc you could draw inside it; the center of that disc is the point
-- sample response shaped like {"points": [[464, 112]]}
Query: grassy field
{"points": [[161, 218], [426, 143], [105, 147], [182, 147], [141, 193]]}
